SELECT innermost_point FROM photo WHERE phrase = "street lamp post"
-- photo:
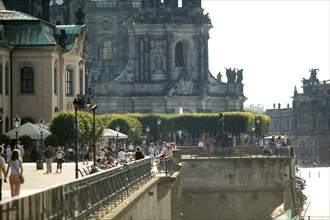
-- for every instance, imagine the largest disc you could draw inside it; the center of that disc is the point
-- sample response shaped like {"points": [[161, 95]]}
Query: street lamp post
{"points": [[253, 141], [147, 130], [17, 124], [117, 129], [158, 123], [133, 128], [179, 133], [41, 125], [94, 137], [257, 125], [75, 103]]}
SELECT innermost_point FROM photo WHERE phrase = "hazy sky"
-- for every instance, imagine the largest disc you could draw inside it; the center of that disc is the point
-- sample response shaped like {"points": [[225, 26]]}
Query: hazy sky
{"points": [[275, 42]]}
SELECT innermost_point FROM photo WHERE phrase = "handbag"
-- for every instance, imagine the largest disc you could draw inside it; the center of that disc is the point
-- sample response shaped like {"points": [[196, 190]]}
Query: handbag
{"points": [[21, 177]]}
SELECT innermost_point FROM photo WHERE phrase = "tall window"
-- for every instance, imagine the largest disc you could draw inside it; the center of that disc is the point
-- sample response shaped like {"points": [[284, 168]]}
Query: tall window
{"points": [[1, 80], [179, 55], [68, 82], [27, 80], [81, 82], [55, 81], [7, 79], [107, 50]]}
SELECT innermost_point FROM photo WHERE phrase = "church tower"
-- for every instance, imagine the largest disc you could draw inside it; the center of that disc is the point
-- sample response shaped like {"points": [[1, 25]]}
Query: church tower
{"points": [[150, 56]]}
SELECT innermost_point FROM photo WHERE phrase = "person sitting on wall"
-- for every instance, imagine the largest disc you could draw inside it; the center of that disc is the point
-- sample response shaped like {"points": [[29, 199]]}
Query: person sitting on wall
{"points": [[267, 151], [138, 155]]}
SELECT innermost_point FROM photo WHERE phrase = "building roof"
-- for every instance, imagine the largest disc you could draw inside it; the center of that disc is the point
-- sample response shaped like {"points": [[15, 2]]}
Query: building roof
{"points": [[15, 15], [21, 29]]}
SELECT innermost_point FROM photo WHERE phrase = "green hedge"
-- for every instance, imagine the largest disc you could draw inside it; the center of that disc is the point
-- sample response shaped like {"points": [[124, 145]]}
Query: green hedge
{"points": [[62, 124]]}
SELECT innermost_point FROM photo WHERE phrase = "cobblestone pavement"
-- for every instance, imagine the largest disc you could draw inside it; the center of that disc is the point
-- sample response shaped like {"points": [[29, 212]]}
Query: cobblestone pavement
{"points": [[36, 180]]}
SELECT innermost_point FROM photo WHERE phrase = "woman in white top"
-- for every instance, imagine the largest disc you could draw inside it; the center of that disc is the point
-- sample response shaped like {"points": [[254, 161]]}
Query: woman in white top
{"points": [[15, 164], [59, 158], [152, 150]]}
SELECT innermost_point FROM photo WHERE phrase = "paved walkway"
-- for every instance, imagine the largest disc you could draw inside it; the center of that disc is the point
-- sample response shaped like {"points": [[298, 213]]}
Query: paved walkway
{"points": [[35, 180]]}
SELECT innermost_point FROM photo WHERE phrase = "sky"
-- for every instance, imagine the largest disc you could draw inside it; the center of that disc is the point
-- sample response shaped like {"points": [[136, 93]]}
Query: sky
{"points": [[274, 42]]}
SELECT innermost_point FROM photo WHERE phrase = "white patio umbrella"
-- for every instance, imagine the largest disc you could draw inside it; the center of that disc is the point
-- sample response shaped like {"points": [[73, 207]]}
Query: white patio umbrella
{"points": [[29, 129], [109, 133]]}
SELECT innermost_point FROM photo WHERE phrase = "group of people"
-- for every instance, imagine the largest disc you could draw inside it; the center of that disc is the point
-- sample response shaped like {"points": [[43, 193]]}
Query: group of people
{"points": [[109, 156], [50, 155], [11, 167], [11, 159]]}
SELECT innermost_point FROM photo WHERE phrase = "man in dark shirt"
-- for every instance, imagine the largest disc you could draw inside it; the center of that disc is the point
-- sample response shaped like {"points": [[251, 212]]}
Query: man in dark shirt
{"points": [[138, 154], [48, 154]]}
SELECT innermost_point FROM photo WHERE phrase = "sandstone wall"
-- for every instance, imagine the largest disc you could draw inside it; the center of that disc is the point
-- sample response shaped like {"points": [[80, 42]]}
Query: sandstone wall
{"points": [[157, 199], [235, 188]]}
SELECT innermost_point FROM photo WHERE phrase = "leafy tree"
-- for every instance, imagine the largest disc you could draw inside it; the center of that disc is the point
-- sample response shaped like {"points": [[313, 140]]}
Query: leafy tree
{"points": [[62, 126], [52, 140], [27, 141]]}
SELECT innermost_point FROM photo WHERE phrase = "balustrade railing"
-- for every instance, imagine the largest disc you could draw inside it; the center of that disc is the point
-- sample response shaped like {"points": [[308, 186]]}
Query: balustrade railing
{"points": [[80, 198]]}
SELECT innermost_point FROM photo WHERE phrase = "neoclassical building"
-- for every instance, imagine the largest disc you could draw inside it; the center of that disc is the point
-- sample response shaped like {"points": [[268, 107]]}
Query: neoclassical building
{"points": [[42, 67], [307, 122], [150, 56]]}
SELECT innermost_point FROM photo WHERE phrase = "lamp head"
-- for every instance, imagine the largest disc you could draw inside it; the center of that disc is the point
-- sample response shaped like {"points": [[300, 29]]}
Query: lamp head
{"points": [[41, 123], [17, 122], [159, 121], [94, 107]]}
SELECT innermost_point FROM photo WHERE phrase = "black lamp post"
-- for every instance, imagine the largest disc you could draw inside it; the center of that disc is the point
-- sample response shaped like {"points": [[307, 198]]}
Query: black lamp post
{"points": [[158, 123], [179, 134], [147, 130], [133, 128], [75, 103], [253, 141], [94, 137], [41, 125], [117, 129], [17, 124], [257, 125]]}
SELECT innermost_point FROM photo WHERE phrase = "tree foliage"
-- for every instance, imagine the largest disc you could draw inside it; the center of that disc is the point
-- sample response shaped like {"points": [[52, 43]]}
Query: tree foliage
{"points": [[134, 124]]}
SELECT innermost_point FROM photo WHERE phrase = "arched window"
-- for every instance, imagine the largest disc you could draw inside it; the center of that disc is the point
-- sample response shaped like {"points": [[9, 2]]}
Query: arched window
{"points": [[27, 80], [81, 82], [179, 55], [107, 50], [55, 81], [68, 82]]}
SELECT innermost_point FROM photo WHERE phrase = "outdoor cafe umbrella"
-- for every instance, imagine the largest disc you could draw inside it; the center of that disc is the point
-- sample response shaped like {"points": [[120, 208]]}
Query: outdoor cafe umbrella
{"points": [[282, 137], [29, 129], [109, 133]]}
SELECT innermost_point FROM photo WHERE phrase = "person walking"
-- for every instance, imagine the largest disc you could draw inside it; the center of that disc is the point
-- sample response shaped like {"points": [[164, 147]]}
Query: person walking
{"points": [[152, 150], [86, 154], [48, 154], [15, 165], [59, 155], [8, 153], [21, 149], [2, 169]]}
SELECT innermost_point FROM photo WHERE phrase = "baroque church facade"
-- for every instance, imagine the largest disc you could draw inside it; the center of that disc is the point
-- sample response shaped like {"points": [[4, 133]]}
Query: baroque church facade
{"points": [[307, 123], [149, 56]]}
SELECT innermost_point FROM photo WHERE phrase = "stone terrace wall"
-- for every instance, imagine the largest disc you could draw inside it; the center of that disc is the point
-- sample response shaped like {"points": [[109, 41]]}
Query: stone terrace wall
{"points": [[235, 188]]}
